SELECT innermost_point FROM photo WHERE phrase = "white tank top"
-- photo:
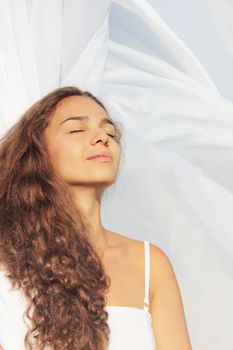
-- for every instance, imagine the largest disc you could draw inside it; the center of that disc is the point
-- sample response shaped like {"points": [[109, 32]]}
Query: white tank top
{"points": [[130, 326]]}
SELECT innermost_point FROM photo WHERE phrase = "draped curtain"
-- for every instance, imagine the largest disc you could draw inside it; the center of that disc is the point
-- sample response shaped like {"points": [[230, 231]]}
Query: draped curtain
{"points": [[164, 71]]}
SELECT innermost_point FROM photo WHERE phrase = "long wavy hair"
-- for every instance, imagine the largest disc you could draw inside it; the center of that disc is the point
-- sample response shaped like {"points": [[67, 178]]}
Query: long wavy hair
{"points": [[44, 244]]}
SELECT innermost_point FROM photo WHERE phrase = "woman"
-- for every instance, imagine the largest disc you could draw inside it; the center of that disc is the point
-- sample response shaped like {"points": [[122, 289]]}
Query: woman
{"points": [[70, 273]]}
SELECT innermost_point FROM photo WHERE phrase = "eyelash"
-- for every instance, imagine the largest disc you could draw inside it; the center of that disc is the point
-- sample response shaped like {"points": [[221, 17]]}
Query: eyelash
{"points": [[73, 131]]}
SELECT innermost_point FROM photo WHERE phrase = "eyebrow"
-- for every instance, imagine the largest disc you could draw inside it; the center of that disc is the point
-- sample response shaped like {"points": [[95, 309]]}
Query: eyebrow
{"points": [[85, 118]]}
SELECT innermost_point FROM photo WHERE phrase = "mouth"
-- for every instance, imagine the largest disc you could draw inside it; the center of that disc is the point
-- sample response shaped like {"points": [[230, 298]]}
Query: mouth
{"points": [[102, 158]]}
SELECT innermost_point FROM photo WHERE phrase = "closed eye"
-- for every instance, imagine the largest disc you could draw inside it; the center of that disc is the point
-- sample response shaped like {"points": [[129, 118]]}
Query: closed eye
{"points": [[73, 131]]}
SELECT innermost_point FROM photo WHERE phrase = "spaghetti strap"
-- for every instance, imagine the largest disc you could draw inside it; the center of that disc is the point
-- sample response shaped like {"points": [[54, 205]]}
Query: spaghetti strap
{"points": [[147, 273]]}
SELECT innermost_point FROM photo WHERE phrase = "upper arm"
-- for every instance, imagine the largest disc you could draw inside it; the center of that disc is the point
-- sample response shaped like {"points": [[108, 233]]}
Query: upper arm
{"points": [[168, 317]]}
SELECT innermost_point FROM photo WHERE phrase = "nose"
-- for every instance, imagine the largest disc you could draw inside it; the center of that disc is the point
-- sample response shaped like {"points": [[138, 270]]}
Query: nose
{"points": [[101, 136]]}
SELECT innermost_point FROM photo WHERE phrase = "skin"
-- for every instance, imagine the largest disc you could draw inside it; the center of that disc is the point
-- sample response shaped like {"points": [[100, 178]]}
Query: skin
{"points": [[86, 179], [122, 256]]}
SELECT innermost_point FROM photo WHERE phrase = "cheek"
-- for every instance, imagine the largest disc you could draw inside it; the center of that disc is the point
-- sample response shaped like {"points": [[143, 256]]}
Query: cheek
{"points": [[66, 158], [69, 157], [117, 155]]}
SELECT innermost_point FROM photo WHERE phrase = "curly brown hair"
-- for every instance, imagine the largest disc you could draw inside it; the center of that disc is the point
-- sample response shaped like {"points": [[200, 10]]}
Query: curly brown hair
{"points": [[44, 244]]}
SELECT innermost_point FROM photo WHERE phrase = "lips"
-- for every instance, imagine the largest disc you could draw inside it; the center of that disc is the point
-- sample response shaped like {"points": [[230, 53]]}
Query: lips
{"points": [[100, 154]]}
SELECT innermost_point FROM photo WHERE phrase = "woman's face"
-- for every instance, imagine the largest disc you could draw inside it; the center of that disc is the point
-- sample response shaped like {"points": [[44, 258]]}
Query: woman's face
{"points": [[69, 148]]}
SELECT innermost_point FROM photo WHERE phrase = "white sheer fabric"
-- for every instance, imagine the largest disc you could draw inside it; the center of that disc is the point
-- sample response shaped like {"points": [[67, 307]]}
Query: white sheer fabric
{"points": [[164, 70]]}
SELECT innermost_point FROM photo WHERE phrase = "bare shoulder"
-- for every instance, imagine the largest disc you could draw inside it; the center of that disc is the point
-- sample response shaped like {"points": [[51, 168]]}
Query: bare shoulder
{"points": [[122, 241], [131, 248], [168, 314], [159, 260], [161, 269], [162, 275]]}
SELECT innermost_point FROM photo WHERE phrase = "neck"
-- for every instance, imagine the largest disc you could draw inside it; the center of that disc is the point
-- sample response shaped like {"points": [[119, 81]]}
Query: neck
{"points": [[89, 204]]}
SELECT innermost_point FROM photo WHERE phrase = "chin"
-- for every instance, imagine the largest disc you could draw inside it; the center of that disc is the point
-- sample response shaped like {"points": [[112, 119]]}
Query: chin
{"points": [[104, 181]]}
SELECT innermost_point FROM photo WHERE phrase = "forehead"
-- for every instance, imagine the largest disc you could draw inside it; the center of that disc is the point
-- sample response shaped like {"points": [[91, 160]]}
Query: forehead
{"points": [[78, 105]]}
